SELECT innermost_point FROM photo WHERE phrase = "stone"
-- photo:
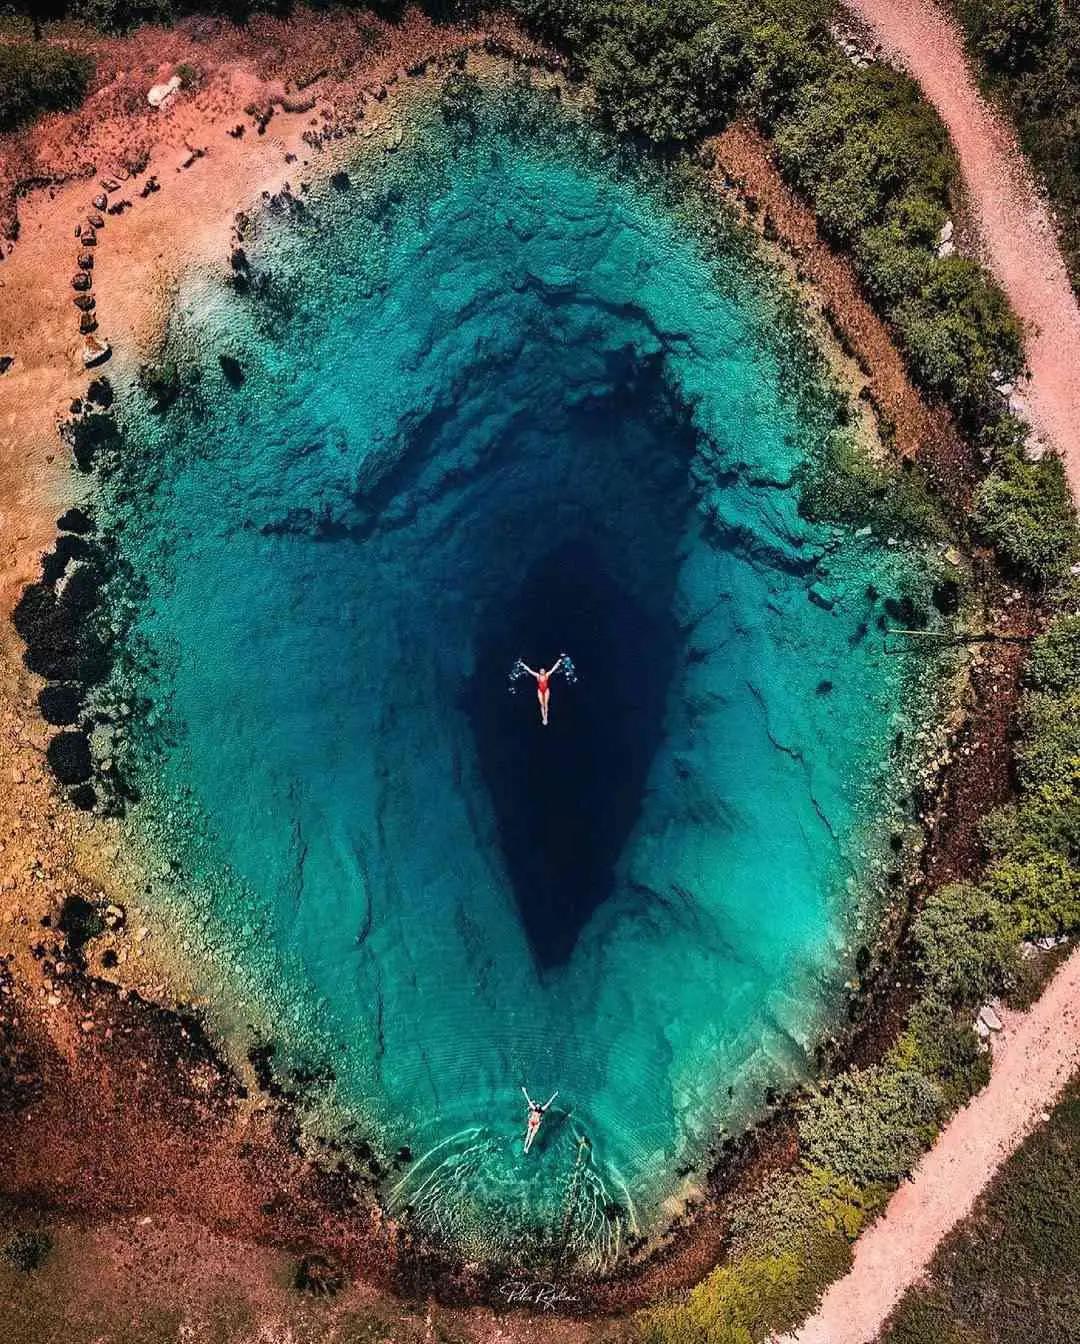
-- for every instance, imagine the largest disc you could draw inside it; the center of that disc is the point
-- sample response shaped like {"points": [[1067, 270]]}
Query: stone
{"points": [[69, 757], [88, 237], [946, 250], [60, 704], [981, 1029], [95, 352], [85, 302], [159, 94], [75, 520], [946, 231], [989, 1018], [81, 281], [100, 201], [87, 324], [95, 222], [86, 261], [6, 362]]}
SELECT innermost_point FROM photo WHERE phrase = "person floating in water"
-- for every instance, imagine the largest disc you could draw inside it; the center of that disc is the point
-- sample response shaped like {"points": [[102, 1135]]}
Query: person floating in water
{"points": [[536, 1113], [543, 685]]}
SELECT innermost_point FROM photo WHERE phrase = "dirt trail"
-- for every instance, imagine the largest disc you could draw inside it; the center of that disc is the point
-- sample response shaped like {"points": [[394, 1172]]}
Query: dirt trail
{"points": [[1014, 226], [1035, 1055]]}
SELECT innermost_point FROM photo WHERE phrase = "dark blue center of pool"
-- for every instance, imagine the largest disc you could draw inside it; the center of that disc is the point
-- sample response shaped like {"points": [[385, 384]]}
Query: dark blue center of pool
{"points": [[501, 401]]}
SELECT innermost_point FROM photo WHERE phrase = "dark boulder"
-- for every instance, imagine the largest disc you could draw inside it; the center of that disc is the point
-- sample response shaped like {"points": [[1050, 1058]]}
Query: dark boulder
{"points": [[100, 392], [320, 1275], [69, 757], [82, 591], [79, 921], [906, 612], [60, 704], [56, 649], [67, 549], [91, 436], [340, 181], [84, 797], [75, 520], [946, 597]]}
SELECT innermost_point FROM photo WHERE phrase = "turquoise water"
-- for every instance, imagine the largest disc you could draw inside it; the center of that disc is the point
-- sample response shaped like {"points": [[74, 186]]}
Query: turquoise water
{"points": [[503, 397]]}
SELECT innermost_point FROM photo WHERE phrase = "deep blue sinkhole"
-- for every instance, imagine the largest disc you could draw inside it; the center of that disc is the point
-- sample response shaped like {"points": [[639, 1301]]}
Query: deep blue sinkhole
{"points": [[566, 797], [500, 402]]}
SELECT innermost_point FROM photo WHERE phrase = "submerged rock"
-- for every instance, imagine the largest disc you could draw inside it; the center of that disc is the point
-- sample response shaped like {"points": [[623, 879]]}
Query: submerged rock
{"points": [[231, 368]]}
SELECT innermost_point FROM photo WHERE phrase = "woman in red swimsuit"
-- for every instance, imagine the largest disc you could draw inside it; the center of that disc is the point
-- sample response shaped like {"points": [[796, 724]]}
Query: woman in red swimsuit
{"points": [[543, 688]]}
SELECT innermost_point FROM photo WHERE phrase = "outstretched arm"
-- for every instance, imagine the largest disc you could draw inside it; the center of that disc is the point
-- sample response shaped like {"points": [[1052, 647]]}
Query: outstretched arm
{"points": [[550, 1100], [531, 674], [526, 1095], [556, 665]]}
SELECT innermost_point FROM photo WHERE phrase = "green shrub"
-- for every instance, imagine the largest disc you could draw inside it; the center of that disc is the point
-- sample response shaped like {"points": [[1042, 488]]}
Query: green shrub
{"points": [[1007, 33], [1047, 819], [1026, 511], [1048, 754], [795, 1210], [944, 1046], [1042, 893], [1054, 665], [860, 142], [957, 330], [965, 944], [871, 1124], [665, 70], [739, 1303], [37, 77]]}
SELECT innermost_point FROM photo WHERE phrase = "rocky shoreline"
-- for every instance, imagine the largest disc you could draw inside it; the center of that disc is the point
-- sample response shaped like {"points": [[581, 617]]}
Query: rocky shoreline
{"points": [[174, 1129]]}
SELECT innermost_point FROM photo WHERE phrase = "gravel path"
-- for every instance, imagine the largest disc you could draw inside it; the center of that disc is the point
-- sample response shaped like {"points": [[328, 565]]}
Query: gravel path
{"points": [[1034, 1056], [1014, 227]]}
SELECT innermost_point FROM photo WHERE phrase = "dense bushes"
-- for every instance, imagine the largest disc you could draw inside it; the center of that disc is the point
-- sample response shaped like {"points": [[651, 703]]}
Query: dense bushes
{"points": [[37, 77], [965, 944]]}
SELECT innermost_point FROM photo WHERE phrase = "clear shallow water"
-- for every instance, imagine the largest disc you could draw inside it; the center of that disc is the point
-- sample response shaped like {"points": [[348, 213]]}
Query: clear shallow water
{"points": [[500, 400]]}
